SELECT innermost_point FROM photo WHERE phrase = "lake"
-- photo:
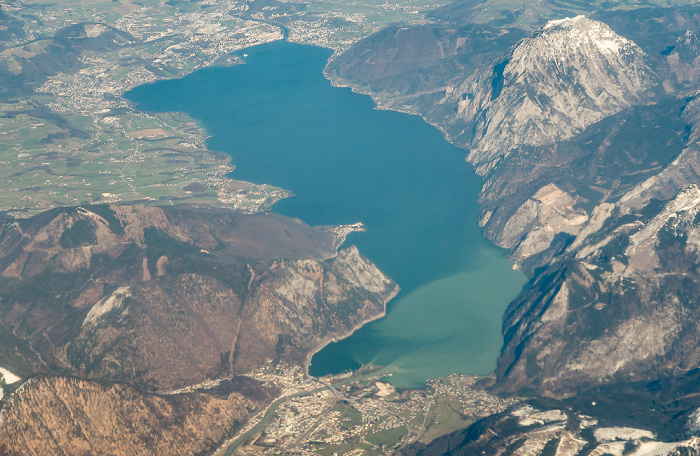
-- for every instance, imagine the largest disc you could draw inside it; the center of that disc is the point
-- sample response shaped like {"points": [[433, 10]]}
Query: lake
{"points": [[345, 161]]}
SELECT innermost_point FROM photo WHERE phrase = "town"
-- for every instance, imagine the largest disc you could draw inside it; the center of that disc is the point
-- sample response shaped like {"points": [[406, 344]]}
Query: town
{"points": [[359, 412]]}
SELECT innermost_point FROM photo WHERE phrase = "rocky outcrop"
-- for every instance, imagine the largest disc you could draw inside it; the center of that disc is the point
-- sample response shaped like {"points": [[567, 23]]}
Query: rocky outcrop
{"points": [[539, 220], [619, 301], [620, 305], [552, 85]]}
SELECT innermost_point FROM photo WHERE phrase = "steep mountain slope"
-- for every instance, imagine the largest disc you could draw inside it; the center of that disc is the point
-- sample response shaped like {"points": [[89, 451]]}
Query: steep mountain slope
{"points": [[623, 292], [409, 68], [551, 86]]}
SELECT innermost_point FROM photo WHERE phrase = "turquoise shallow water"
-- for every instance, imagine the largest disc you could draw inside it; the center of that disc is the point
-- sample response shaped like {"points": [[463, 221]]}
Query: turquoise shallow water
{"points": [[283, 124]]}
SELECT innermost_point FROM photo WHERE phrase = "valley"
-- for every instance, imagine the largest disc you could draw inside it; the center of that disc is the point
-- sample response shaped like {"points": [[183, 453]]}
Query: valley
{"points": [[150, 302]]}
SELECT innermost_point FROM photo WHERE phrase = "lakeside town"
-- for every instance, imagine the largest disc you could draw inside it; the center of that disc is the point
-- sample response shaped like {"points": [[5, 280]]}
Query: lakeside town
{"points": [[358, 413]]}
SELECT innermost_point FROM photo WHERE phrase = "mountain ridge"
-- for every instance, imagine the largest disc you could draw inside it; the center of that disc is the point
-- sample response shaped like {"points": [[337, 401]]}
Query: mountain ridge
{"points": [[123, 312]]}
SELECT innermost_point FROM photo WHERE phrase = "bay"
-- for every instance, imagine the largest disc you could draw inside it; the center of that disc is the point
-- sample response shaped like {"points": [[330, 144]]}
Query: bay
{"points": [[345, 161]]}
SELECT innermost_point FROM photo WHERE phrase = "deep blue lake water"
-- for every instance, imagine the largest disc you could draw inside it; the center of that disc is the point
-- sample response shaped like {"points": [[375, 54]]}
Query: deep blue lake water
{"points": [[284, 124]]}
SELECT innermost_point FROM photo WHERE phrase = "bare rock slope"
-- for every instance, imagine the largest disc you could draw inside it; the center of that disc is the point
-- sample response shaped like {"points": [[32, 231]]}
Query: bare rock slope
{"points": [[552, 85]]}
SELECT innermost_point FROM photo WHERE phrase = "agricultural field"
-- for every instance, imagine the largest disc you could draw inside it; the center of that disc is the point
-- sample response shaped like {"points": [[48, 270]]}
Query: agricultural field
{"points": [[67, 137]]}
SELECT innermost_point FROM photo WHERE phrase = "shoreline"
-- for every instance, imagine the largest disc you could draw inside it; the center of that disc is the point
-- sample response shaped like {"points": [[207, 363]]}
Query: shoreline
{"points": [[379, 105], [328, 340]]}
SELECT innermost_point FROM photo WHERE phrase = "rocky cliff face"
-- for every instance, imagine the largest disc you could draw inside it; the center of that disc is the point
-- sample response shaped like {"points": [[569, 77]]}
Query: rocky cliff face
{"points": [[585, 132], [603, 306], [618, 300], [163, 298], [549, 87]]}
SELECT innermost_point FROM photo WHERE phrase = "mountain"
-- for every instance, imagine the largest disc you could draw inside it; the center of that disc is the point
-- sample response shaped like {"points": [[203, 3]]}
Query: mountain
{"points": [[23, 72], [581, 117], [549, 87], [113, 292], [120, 305], [585, 130]]}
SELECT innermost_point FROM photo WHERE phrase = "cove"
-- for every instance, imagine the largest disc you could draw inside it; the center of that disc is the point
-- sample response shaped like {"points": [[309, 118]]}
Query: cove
{"points": [[345, 161]]}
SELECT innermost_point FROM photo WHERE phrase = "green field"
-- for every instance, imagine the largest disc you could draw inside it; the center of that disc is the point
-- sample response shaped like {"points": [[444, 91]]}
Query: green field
{"points": [[387, 437], [346, 448], [443, 419], [349, 417]]}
